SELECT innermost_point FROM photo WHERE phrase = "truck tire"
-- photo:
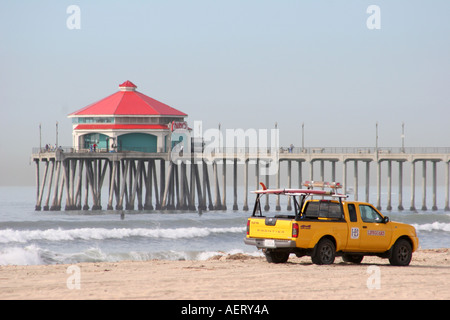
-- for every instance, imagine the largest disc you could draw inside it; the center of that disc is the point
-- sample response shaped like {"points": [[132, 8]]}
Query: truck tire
{"points": [[274, 256], [324, 252], [401, 253]]}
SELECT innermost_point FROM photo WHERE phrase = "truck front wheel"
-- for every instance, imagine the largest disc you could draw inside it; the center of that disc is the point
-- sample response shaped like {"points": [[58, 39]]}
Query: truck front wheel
{"points": [[401, 253], [324, 252], [274, 256]]}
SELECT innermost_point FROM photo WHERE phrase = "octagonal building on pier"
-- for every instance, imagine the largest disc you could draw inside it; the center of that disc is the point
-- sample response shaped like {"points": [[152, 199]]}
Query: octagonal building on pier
{"points": [[127, 120]]}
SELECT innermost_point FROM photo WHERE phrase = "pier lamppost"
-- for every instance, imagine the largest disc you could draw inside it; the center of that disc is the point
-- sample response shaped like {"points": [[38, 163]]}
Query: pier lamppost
{"points": [[219, 138], [276, 143], [303, 137], [376, 137], [40, 138], [56, 144], [403, 137]]}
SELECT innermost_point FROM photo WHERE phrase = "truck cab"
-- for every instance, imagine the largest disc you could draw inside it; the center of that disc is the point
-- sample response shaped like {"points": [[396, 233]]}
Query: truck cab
{"points": [[325, 225]]}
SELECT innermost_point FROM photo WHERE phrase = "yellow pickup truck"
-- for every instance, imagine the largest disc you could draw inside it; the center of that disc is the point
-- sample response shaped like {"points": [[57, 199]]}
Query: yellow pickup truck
{"points": [[328, 226]]}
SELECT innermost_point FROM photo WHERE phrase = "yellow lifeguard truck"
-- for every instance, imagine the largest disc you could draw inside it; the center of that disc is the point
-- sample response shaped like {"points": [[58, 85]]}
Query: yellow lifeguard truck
{"points": [[328, 226]]}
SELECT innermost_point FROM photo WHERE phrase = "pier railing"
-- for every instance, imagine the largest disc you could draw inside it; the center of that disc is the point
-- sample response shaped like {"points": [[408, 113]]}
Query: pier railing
{"points": [[294, 150]]}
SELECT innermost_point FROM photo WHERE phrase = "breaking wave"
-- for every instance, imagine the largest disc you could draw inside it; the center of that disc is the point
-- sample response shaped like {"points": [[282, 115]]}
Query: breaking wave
{"points": [[30, 255], [435, 226], [23, 236], [34, 255]]}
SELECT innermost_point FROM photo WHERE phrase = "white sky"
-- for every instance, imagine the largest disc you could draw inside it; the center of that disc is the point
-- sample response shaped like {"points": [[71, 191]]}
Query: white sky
{"points": [[245, 64]]}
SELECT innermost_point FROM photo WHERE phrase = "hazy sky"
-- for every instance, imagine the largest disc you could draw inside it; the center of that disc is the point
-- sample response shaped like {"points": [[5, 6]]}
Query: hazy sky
{"points": [[245, 64]]}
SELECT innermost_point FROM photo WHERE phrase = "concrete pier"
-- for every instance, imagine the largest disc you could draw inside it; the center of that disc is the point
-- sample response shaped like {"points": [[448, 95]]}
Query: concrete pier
{"points": [[151, 181]]}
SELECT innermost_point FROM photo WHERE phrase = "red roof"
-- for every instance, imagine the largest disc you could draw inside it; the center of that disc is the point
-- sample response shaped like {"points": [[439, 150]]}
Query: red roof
{"points": [[128, 102], [127, 83], [119, 126]]}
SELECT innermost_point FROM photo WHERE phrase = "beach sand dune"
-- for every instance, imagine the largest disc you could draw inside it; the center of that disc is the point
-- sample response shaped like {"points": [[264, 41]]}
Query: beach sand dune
{"points": [[233, 277]]}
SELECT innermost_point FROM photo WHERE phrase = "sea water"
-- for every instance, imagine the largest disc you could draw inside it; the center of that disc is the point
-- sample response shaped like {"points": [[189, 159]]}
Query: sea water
{"points": [[30, 237]]}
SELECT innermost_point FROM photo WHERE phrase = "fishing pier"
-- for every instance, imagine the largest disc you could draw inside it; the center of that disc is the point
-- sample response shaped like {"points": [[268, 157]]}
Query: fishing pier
{"points": [[142, 152], [72, 179]]}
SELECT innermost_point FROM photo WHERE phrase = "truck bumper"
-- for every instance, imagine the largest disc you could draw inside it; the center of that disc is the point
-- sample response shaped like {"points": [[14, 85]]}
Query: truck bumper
{"points": [[270, 243]]}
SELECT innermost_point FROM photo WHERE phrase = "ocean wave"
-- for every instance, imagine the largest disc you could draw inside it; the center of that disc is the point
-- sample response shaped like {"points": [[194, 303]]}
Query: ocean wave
{"points": [[34, 255], [435, 226], [23, 236], [30, 255]]}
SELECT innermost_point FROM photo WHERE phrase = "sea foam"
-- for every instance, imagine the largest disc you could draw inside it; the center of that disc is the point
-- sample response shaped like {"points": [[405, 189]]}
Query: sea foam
{"points": [[24, 236], [29, 255], [435, 226], [34, 255]]}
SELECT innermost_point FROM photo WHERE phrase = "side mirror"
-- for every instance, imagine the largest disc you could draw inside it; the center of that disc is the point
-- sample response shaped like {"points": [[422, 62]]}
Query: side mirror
{"points": [[385, 219]]}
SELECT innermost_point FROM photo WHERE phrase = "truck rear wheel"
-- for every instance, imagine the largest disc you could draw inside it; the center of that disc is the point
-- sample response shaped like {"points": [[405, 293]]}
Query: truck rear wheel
{"points": [[274, 256], [324, 252], [401, 253]]}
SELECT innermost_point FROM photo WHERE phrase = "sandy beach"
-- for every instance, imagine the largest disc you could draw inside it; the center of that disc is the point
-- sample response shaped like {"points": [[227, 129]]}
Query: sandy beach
{"points": [[233, 277]]}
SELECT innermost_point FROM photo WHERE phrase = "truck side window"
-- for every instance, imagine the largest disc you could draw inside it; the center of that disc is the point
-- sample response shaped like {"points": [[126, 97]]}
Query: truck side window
{"points": [[352, 212], [368, 214]]}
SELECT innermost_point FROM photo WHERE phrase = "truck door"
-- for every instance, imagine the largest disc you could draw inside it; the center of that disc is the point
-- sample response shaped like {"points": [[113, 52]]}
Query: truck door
{"points": [[375, 234], [354, 231]]}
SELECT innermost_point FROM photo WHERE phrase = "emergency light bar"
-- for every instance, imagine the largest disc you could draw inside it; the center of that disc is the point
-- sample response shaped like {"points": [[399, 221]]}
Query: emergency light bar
{"points": [[322, 184]]}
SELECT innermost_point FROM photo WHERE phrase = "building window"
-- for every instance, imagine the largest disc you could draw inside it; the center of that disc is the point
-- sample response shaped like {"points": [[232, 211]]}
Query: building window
{"points": [[92, 120], [133, 120]]}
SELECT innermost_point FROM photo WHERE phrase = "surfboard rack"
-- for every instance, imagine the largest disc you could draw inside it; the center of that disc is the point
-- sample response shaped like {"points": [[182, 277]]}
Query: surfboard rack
{"points": [[309, 191], [302, 194]]}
